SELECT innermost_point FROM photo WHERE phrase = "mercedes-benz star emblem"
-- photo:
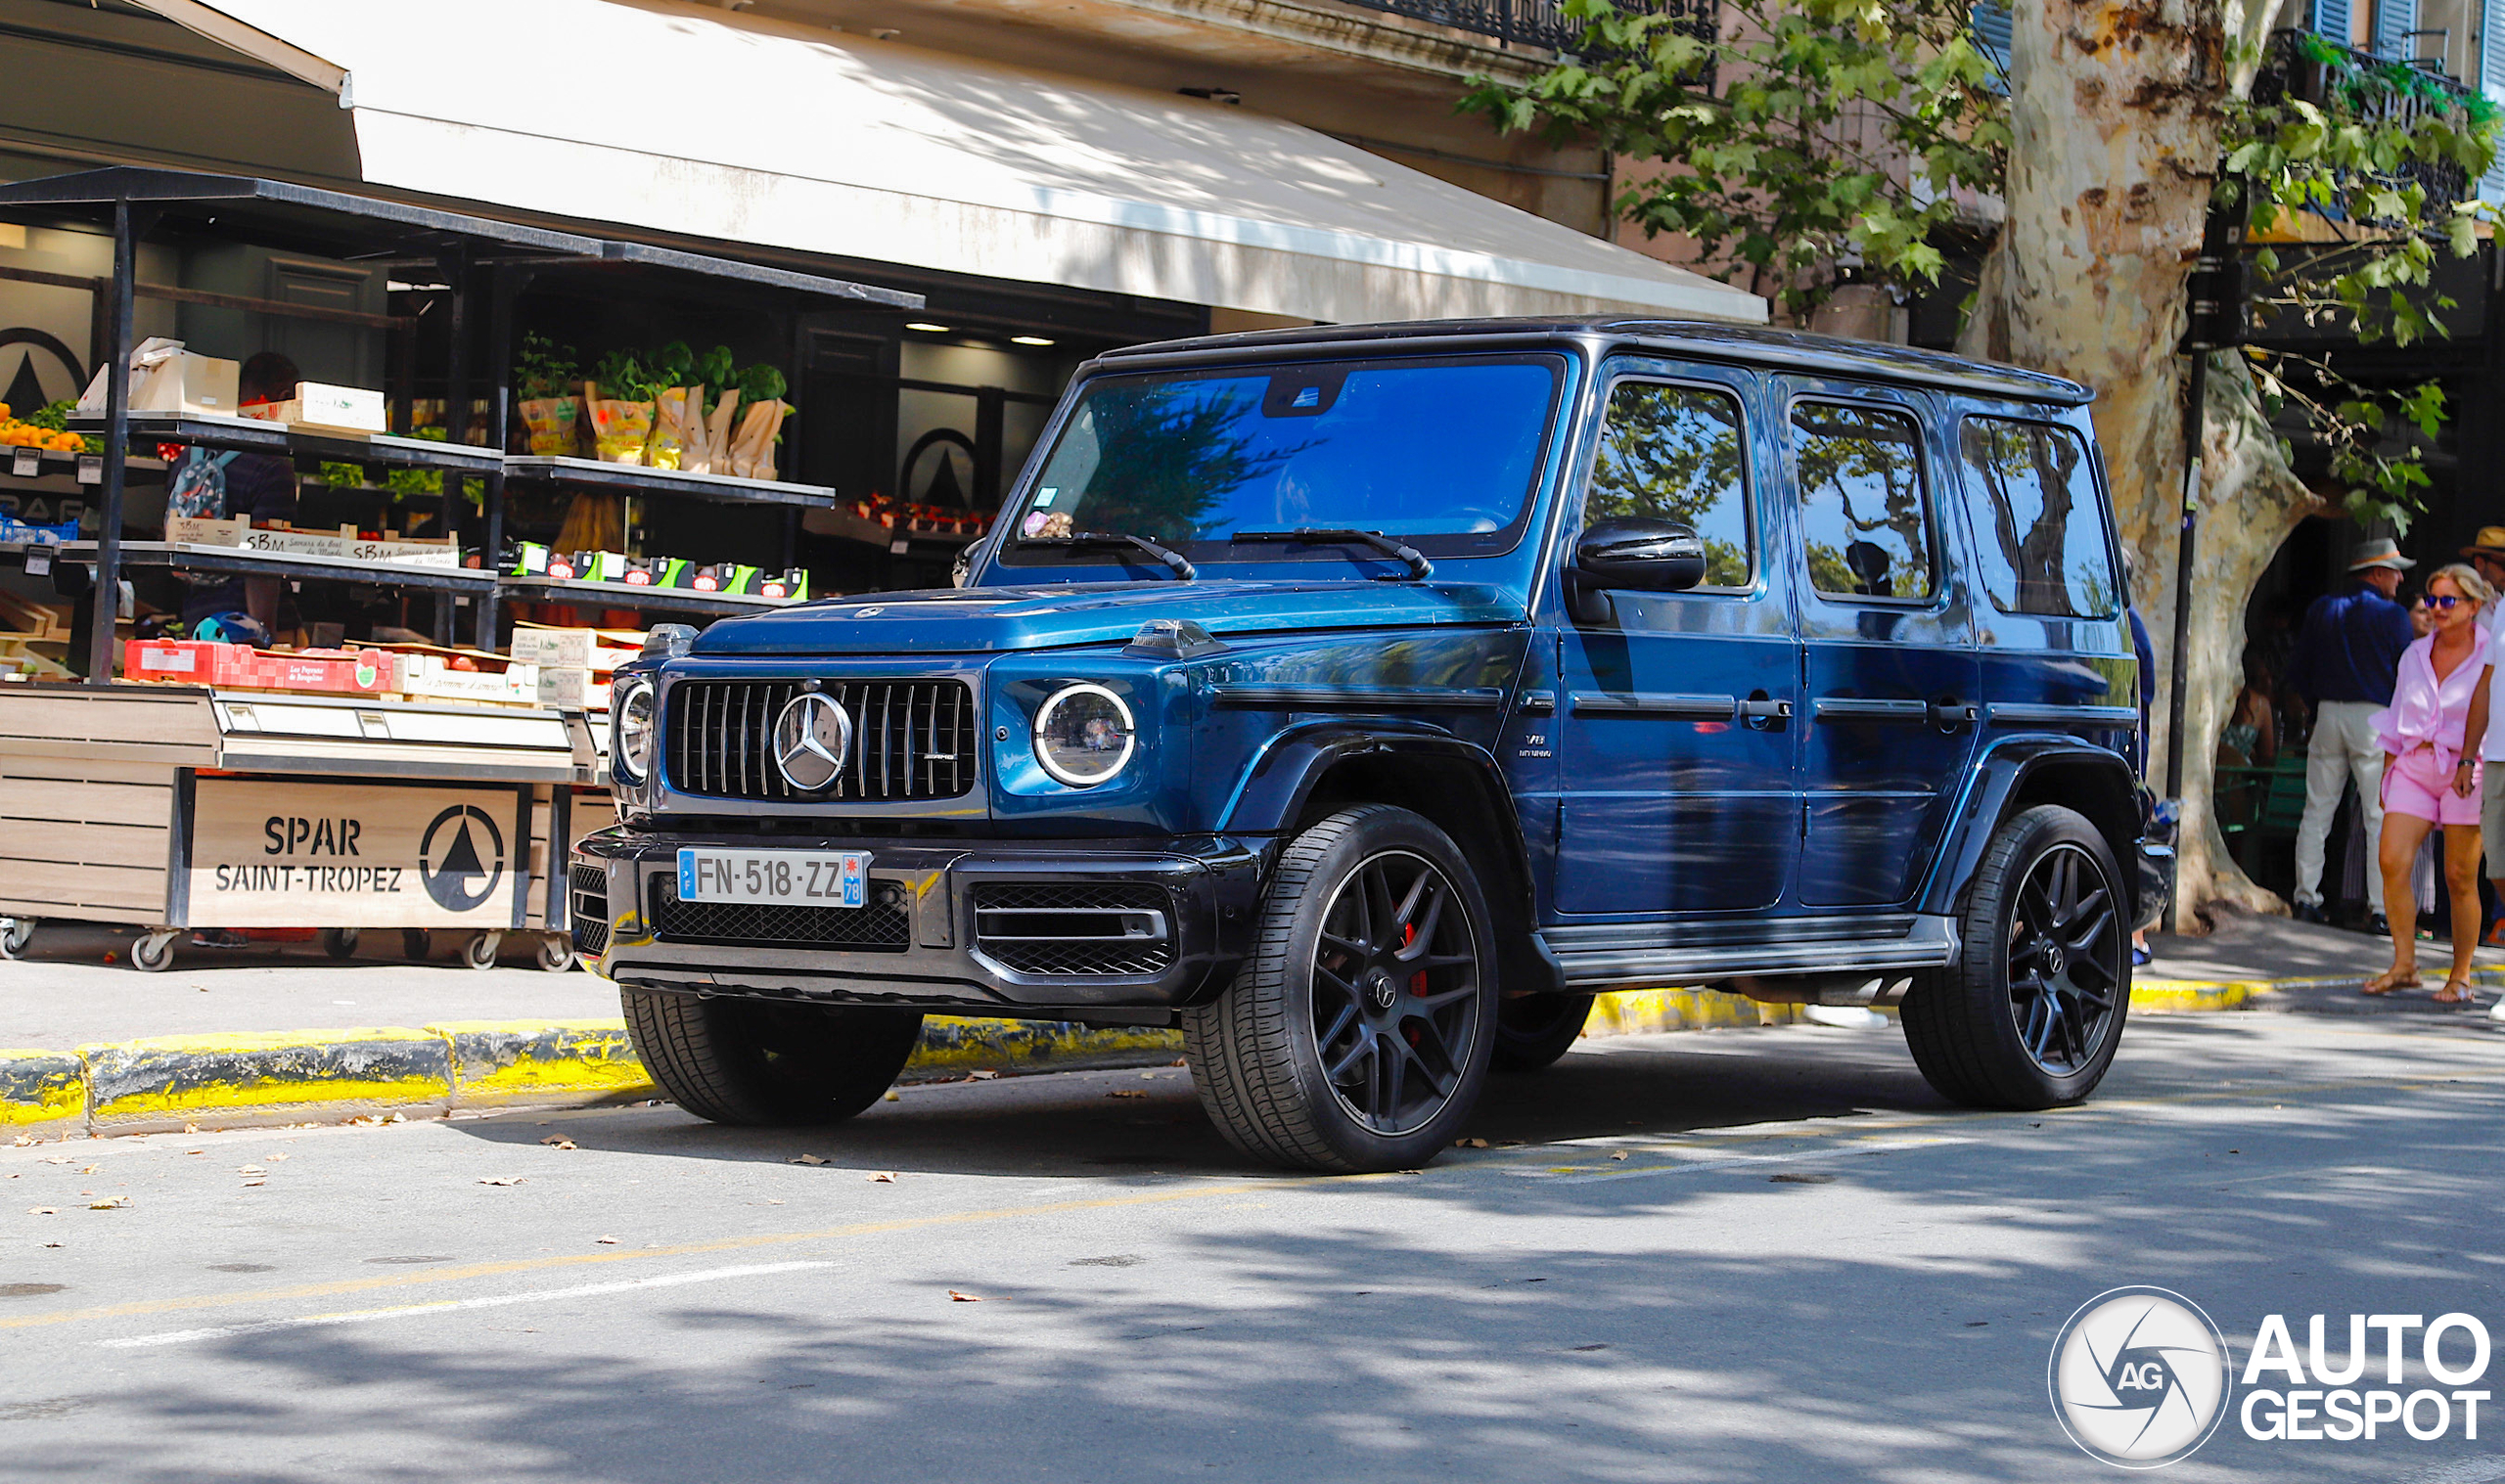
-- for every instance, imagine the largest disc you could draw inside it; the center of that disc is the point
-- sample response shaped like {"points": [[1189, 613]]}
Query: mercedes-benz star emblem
{"points": [[811, 738]]}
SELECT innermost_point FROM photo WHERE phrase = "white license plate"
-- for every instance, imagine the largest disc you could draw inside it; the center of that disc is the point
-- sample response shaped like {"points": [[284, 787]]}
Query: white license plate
{"points": [[785, 877]]}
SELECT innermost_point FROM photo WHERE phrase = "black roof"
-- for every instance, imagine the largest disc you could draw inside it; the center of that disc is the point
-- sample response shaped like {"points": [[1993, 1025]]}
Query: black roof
{"points": [[281, 214], [1786, 350]]}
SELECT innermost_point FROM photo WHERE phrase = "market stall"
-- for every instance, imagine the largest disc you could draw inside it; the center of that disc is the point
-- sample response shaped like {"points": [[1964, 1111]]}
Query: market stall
{"points": [[345, 764]]}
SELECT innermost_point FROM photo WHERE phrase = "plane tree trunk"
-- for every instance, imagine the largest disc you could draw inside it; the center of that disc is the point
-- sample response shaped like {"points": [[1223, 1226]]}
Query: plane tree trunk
{"points": [[2115, 111]]}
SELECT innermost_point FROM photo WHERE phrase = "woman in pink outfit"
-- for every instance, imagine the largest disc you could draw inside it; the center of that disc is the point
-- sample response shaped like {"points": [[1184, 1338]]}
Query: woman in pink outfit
{"points": [[2431, 736]]}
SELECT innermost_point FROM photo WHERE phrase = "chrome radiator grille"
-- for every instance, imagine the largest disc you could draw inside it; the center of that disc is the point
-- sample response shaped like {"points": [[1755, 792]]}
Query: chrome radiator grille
{"points": [[911, 740]]}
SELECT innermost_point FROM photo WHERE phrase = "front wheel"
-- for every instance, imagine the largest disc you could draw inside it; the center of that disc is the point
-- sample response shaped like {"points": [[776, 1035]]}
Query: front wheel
{"points": [[754, 1063], [2029, 1013], [1357, 1034]]}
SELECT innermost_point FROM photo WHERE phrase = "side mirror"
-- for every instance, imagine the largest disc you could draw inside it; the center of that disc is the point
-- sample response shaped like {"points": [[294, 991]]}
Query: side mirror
{"points": [[1641, 553]]}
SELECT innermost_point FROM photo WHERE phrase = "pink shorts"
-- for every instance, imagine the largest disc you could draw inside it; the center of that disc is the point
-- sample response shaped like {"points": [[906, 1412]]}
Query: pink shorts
{"points": [[2415, 784]]}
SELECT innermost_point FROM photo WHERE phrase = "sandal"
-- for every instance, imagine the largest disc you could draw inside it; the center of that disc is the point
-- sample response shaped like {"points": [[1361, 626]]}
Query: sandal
{"points": [[2456, 992], [2385, 983]]}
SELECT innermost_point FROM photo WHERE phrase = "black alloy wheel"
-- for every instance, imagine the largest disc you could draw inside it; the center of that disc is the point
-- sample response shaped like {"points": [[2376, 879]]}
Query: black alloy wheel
{"points": [[1357, 1035], [2064, 959], [2030, 1012], [1396, 992]]}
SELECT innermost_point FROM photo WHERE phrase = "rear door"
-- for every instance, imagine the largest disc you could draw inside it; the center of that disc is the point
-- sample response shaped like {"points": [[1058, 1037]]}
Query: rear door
{"points": [[1676, 716], [1887, 656]]}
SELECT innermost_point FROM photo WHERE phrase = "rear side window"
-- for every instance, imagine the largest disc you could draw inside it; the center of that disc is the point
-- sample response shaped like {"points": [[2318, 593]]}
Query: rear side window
{"points": [[1862, 517], [2036, 518], [1673, 453]]}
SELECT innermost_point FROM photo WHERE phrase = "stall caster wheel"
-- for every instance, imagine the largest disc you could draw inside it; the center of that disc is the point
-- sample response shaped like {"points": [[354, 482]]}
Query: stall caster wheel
{"points": [[16, 933], [556, 954], [481, 951], [416, 944], [153, 953], [340, 942]]}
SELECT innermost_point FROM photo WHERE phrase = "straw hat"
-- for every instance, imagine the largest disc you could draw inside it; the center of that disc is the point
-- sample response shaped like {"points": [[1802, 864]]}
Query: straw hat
{"points": [[2381, 551], [2489, 542]]}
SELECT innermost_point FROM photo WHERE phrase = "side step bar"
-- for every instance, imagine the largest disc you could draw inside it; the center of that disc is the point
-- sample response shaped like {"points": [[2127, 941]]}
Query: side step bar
{"points": [[1646, 956]]}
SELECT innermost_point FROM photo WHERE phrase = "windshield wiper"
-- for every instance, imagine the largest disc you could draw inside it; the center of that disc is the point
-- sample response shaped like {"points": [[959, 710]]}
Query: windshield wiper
{"points": [[1082, 540], [1419, 568]]}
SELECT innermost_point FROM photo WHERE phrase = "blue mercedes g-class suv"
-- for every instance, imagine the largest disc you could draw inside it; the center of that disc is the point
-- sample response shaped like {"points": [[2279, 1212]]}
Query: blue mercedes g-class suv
{"points": [[1363, 700]]}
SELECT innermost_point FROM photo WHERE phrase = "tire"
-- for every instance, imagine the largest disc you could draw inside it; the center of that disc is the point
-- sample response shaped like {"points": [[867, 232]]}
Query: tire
{"points": [[340, 942], [153, 953], [2030, 1012], [755, 1063], [556, 954], [478, 950], [1309, 1031], [17, 934]]}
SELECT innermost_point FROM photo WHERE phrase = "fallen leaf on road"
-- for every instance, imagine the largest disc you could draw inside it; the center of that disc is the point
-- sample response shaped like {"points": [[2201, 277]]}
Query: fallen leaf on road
{"points": [[884, 1177], [1470, 1144], [606, 1242], [558, 1141], [191, 1128], [275, 1158], [252, 1169], [195, 1151], [1147, 1076], [109, 1203], [980, 1076], [804, 1159], [57, 1159], [893, 1095], [1621, 1154], [43, 1210], [91, 1169], [249, 1184], [500, 1179], [23, 1140], [1125, 1093], [964, 1298]]}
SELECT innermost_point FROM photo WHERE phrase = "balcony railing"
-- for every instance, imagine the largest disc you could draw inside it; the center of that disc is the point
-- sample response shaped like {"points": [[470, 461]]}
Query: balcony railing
{"points": [[2305, 65], [1537, 22]]}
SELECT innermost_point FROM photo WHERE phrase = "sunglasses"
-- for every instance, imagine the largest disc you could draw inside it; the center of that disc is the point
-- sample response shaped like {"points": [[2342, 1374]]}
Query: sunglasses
{"points": [[2444, 604]]}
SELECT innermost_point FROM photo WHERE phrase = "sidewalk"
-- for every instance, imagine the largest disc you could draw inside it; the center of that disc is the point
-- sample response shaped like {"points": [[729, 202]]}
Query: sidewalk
{"points": [[219, 1039]]}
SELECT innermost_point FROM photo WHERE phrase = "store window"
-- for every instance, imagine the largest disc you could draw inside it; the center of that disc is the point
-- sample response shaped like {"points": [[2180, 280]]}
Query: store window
{"points": [[1673, 453], [1859, 470], [2033, 497]]}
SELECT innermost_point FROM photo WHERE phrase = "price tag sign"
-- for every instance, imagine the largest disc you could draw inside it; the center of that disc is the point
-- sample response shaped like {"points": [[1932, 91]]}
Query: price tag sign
{"points": [[896, 548], [26, 462], [91, 468], [40, 559]]}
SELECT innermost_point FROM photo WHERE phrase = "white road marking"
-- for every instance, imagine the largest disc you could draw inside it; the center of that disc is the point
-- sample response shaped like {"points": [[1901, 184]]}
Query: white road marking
{"points": [[1688, 1166], [447, 1306]]}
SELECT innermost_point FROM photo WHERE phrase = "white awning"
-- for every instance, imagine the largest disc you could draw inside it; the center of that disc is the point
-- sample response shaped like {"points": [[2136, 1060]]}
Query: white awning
{"points": [[704, 124]]}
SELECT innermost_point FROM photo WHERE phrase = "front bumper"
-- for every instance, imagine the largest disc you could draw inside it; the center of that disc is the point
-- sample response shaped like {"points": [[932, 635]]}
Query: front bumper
{"points": [[989, 927]]}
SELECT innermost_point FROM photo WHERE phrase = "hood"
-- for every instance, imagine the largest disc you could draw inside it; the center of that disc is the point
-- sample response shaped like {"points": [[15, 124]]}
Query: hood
{"points": [[1000, 619]]}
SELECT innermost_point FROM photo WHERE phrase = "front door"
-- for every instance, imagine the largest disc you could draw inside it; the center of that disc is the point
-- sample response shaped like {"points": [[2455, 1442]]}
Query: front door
{"points": [[1677, 713], [1888, 655]]}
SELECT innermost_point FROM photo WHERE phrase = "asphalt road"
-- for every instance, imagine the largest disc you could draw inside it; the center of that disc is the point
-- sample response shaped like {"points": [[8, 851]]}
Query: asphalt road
{"points": [[1803, 1268]]}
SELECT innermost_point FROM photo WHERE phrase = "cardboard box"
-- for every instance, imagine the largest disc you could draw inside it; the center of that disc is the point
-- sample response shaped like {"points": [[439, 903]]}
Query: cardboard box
{"points": [[599, 650], [405, 550], [432, 677], [353, 408], [572, 687], [351, 672], [186, 383]]}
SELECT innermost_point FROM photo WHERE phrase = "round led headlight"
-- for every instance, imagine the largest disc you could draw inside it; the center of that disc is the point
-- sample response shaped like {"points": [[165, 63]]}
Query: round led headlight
{"points": [[1083, 735], [633, 728]]}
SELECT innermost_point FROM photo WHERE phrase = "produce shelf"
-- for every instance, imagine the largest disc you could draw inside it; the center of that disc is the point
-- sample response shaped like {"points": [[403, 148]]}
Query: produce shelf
{"points": [[252, 435], [677, 599], [636, 478], [191, 558]]}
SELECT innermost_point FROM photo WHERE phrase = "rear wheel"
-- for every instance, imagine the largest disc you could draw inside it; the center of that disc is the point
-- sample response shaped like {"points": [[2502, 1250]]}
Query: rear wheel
{"points": [[1356, 1036], [1534, 1031], [752, 1063], [2030, 1014]]}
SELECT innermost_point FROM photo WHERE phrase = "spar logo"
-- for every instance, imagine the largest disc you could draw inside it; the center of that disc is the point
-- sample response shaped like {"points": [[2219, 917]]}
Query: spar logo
{"points": [[2139, 1377], [455, 868]]}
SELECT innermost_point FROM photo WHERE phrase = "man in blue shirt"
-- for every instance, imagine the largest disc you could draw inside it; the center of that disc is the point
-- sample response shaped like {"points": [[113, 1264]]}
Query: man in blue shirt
{"points": [[2346, 659]]}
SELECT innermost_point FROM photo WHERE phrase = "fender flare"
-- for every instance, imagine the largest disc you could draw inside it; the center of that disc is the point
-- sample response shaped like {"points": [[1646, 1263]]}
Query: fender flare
{"points": [[1276, 786], [1997, 778]]}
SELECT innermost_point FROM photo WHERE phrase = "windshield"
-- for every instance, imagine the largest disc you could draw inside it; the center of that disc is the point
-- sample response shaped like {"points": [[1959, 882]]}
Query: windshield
{"points": [[1442, 454]]}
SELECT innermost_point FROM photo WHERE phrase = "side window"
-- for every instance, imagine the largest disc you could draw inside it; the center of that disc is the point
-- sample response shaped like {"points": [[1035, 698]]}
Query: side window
{"points": [[1673, 453], [1859, 472], [2034, 498]]}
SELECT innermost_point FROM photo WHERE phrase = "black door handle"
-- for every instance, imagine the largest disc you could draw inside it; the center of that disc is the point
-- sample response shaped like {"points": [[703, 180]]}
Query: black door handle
{"points": [[1764, 712], [1950, 714]]}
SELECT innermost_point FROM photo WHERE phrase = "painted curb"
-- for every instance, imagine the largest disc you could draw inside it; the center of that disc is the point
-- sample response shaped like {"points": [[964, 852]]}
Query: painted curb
{"points": [[2166, 997], [167, 1082], [41, 1088], [502, 1063], [952, 1045]]}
